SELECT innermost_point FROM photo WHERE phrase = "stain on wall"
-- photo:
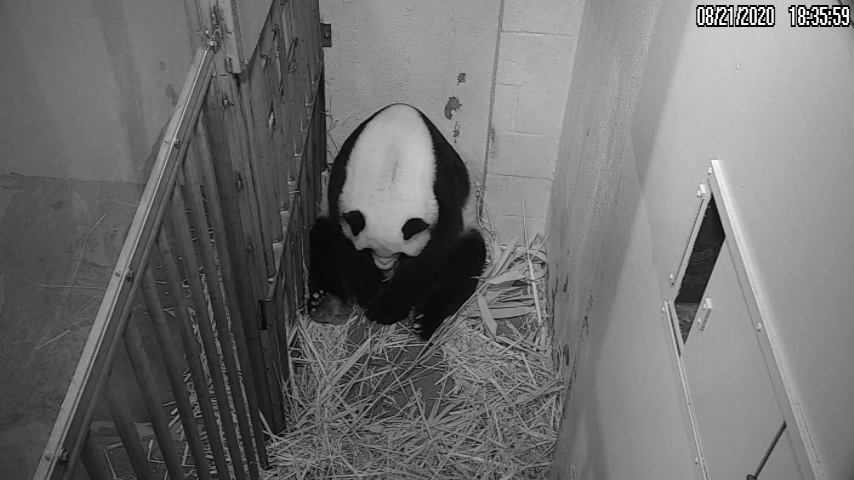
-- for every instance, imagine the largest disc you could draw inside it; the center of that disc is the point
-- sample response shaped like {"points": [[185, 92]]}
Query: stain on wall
{"points": [[452, 106]]}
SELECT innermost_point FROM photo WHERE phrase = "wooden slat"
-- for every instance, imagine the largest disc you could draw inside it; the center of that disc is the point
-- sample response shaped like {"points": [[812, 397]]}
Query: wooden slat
{"points": [[71, 426], [192, 352], [174, 369], [94, 459], [185, 241], [208, 179], [127, 430], [151, 397]]}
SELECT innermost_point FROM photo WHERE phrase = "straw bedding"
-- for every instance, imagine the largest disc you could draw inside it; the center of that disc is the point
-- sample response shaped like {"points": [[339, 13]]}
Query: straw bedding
{"points": [[481, 401]]}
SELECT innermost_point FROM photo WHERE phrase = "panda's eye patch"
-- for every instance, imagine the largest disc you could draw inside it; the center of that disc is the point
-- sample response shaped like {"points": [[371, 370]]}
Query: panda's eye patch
{"points": [[356, 221], [412, 227]]}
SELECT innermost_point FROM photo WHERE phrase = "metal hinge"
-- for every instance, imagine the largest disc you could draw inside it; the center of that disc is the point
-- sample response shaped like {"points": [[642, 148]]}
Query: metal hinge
{"points": [[325, 34]]}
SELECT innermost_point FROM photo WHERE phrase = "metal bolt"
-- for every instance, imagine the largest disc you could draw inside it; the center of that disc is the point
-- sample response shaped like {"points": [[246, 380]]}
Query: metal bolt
{"points": [[672, 278], [696, 460], [707, 310], [759, 327], [63, 457], [709, 171], [177, 143], [249, 248], [701, 191], [129, 275]]}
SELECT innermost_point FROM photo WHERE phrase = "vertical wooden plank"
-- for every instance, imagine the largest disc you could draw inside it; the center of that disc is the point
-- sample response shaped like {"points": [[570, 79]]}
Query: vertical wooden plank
{"points": [[287, 92], [185, 241], [259, 102], [151, 398], [228, 121], [94, 459], [289, 270], [174, 370], [269, 339], [127, 430], [284, 302], [170, 269], [238, 246], [320, 118], [231, 289], [256, 178]]}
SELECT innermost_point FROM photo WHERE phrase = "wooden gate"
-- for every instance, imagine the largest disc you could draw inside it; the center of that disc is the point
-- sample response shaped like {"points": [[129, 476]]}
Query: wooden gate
{"points": [[213, 259]]}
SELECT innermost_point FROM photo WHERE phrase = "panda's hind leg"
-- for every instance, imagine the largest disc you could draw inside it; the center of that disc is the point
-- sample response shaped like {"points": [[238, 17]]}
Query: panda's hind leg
{"points": [[455, 284]]}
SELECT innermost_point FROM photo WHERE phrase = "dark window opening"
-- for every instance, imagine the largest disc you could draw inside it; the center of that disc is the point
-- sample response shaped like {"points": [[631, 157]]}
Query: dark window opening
{"points": [[701, 262]]}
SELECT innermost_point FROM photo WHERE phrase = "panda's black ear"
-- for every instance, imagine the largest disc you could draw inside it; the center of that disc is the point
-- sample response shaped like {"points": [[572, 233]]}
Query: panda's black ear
{"points": [[412, 227], [356, 221]]}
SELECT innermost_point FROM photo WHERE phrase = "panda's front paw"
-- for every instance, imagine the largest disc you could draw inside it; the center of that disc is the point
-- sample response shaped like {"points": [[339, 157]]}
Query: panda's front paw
{"points": [[387, 307], [315, 300], [425, 325]]}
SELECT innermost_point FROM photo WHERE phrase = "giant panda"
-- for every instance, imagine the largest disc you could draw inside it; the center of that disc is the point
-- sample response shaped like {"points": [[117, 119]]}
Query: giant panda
{"points": [[397, 233]]}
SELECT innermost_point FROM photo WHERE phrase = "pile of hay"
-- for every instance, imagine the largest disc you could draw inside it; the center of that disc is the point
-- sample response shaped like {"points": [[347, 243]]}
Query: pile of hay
{"points": [[481, 401]]}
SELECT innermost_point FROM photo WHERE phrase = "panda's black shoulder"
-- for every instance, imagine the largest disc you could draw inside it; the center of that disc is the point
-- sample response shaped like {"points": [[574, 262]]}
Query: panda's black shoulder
{"points": [[451, 184]]}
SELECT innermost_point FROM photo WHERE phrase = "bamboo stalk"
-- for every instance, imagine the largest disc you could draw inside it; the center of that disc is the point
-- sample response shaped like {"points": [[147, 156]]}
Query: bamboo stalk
{"points": [[204, 321], [174, 369], [208, 180], [151, 396], [191, 347]]}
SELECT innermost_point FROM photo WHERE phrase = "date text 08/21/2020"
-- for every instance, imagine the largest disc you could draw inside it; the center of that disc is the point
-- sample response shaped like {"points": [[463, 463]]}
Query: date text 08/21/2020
{"points": [[765, 15]]}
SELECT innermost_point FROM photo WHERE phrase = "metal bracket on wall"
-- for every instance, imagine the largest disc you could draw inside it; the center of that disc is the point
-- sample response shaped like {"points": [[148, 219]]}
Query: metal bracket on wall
{"points": [[325, 34]]}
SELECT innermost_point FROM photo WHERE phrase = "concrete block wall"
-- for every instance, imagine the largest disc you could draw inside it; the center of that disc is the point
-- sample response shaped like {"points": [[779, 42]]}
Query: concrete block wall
{"points": [[536, 48]]}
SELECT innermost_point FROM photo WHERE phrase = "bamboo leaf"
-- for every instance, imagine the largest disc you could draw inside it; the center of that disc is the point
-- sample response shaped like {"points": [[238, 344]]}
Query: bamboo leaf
{"points": [[506, 277], [486, 315]]}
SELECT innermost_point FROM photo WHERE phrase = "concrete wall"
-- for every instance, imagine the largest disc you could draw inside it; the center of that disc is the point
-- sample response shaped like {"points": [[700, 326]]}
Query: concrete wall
{"points": [[606, 310], [535, 52], [437, 56], [775, 105]]}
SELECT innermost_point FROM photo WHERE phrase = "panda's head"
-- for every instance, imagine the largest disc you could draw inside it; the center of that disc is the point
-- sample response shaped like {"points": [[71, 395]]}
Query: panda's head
{"points": [[387, 203]]}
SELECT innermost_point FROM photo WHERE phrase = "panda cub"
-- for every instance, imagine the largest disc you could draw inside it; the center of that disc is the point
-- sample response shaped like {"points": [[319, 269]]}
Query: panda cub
{"points": [[397, 233]]}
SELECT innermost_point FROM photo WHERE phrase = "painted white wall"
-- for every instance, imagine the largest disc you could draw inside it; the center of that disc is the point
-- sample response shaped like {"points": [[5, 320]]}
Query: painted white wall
{"points": [[387, 51], [776, 105]]}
